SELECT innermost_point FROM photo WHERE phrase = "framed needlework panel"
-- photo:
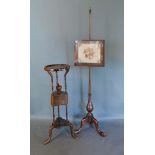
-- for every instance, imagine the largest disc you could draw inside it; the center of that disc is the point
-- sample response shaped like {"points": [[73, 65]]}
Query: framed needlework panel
{"points": [[89, 53]]}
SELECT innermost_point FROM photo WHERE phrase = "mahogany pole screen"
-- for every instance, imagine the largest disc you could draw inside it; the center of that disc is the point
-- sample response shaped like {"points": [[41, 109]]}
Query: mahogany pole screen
{"points": [[89, 53]]}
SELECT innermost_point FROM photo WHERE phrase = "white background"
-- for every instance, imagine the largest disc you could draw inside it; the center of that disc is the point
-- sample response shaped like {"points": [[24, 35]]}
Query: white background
{"points": [[139, 77]]}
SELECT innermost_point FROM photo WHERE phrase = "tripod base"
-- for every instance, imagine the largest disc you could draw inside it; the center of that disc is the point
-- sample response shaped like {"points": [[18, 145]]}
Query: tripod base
{"points": [[59, 122], [89, 118]]}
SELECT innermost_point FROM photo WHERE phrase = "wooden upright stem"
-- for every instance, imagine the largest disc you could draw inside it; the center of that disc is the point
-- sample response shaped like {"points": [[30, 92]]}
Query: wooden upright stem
{"points": [[89, 104]]}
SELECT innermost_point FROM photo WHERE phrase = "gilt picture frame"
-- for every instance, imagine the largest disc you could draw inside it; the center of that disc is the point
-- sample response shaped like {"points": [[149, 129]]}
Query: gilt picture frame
{"points": [[89, 53]]}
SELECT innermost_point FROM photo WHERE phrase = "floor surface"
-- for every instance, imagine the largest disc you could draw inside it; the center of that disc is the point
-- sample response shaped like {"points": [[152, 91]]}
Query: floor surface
{"points": [[88, 141]]}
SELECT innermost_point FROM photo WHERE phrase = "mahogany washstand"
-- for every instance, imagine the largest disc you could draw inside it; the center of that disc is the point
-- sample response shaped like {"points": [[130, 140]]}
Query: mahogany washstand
{"points": [[58, 98]]}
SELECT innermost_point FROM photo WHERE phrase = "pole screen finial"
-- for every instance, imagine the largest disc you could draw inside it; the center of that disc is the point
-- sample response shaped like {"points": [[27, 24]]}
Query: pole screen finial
{"points": [[90, 10]]}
